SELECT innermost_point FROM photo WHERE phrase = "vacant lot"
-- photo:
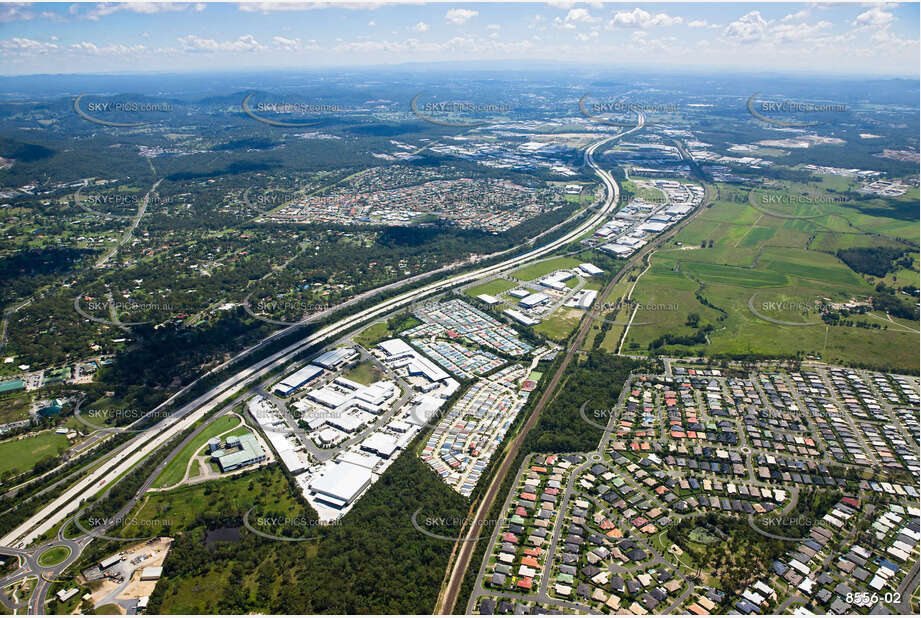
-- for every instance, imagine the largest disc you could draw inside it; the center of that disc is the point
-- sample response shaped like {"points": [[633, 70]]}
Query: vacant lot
{"points": [[493, 288], [545, 268]]}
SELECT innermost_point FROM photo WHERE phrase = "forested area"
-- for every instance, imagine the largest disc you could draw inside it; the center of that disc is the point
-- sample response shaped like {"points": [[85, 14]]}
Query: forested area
{"points": [[373, 561], [597, 379], [876, 261]]}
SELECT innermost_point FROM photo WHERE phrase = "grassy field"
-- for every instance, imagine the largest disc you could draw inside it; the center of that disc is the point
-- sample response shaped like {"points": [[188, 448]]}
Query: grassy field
{"points": [[493, 287], [783, 267], [372, 335], [21, 454], [561, 324], [545, 268], [363, 373], [54, 556], [14, 407], [181, 507], [175, 469]]}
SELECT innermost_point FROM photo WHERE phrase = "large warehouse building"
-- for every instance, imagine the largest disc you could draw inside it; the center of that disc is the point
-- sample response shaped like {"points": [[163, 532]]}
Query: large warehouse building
{"points": [[339, 484], [335, 358], [297, 379]]}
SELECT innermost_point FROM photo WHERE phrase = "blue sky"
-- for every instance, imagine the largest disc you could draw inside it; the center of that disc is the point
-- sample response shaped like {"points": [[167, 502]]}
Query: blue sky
{"points": [[840, 38]]}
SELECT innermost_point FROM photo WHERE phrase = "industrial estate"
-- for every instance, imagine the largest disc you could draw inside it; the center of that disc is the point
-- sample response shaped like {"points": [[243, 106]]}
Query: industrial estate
{"points": [[301, 317]]}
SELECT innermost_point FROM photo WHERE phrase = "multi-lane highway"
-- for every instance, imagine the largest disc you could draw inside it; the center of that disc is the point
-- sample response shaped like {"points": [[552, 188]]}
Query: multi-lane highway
{"points": [[148, 441]]}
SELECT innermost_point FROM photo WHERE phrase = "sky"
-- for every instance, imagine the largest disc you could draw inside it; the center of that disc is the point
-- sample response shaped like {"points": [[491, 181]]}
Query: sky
{"points": [[90, 37]]}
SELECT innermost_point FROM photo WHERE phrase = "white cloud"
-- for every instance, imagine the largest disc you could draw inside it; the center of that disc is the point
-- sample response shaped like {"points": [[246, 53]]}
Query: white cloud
{"points": [[420, 27], [876, 17], [698, 23], [286, 44], [580, 15], [371, 23], [87, 47], [892, 42], [494, 27], [638, 18], [749, 28], [144, 8], [23, 46], [796, 16], [15, 12], [245, 43], [470, 45], [460, 16], [799, 32], [20, 11], [272, 7]]}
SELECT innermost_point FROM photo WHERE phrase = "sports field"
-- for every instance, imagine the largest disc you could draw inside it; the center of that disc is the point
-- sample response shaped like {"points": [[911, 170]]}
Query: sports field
{"points": [[20, 455]]}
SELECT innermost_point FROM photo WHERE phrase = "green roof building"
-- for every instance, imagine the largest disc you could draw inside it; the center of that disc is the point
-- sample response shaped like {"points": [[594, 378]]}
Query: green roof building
{"points": [[12, 385], [246, 451]]}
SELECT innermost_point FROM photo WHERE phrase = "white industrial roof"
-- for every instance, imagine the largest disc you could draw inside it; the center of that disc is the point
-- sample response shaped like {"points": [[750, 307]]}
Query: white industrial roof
{"points": [[342, 480], [333, 357], [328, 397], [365, 460], [380, 443], [533, 299], [395, 347]]}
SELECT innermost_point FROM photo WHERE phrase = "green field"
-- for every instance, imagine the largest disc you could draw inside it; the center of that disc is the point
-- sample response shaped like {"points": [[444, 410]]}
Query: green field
{"points": [[702, 536], [14, 407], [175, 469], [561, 324], [54, 556], [493, 287], [787, 266], [110, 609], [363, 373], [181, 507], [19, 455], [184, 510], [372, 335], [545, 268]]}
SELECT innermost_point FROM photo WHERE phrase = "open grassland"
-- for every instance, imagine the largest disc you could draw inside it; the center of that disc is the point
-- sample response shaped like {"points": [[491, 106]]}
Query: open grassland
{"points": [[372, 335], [561, 324], [20, 454], [14, 407], [545, 268], [734, 258], [493, 287], [364, 373]]}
